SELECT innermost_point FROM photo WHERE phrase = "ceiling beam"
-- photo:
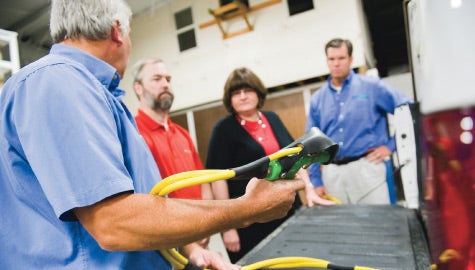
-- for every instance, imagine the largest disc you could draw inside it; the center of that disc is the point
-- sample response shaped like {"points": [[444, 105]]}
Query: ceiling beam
{"points": [[32, 19]]}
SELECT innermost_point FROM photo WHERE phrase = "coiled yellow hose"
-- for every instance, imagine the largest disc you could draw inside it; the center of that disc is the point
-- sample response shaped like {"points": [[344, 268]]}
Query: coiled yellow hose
{"points": [[185, 179]]}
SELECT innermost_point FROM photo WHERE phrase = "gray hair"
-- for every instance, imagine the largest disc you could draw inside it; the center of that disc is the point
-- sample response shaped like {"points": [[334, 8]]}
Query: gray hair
{"points": [[137, 69], [91, 19]]}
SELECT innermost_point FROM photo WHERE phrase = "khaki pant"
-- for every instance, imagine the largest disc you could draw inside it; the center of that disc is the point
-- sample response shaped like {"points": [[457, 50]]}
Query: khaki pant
{"points": [[358, 182]]}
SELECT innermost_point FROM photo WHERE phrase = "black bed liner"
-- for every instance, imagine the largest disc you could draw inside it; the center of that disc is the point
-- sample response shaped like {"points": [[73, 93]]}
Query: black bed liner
{"points": [[380, 236]]}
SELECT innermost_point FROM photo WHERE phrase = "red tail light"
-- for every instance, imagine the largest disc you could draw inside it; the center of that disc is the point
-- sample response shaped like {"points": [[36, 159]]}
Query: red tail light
{"points": [[449, 154]]}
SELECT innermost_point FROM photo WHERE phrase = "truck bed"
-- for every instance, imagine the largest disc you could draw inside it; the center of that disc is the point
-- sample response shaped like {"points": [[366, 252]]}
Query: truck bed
{"points": [[379, 236]]}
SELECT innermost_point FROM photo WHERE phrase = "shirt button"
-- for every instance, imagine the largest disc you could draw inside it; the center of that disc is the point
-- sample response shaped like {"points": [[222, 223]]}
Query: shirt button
{"points": [[342, 103], [341, 130], [340, 143], [341, 116]]}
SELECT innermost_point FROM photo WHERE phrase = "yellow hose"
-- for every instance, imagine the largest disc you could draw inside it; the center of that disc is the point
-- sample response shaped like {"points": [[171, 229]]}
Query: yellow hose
{"points": [[331, 198], [185, 179], [284, 152], [288, 262], [196, 180], [175, 258], [179, 177]]}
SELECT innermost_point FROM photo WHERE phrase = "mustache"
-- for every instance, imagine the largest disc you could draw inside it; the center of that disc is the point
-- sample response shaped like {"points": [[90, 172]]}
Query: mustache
{"points": [[164, 101], [166, 92]]}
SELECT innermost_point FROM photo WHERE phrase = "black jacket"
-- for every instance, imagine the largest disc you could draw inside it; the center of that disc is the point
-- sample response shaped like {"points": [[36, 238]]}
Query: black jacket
{"points": [[231, 146]]}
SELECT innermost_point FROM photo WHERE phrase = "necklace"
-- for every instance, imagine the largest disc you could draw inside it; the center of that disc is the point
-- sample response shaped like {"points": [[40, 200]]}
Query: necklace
{"points": [[257, 129], [252, 124], [261, 132]]}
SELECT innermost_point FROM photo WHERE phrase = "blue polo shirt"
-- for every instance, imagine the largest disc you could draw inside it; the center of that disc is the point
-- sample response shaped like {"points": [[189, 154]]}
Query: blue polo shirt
{"points": [[66, 141], [355, 117]]}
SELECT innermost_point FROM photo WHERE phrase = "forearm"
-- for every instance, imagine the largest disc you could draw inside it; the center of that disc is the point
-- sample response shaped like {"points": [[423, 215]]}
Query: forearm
{"points": [[206, 191], [220, 190], [391, 144], [312, 194], [148, 222], [188, 249], [303, 174], [315, 175]]}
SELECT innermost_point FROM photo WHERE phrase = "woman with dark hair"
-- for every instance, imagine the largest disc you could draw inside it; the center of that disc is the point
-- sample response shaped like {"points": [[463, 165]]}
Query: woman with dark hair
{"points": [[243, 136]]}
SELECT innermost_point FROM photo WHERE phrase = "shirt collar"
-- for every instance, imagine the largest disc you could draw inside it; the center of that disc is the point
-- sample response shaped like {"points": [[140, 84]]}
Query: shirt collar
{"points": [[345, 82], [150, 123], [104, 72]]}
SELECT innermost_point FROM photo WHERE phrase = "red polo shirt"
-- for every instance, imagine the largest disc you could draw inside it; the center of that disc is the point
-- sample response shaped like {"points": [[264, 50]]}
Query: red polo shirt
{"points": [[173, 151]]}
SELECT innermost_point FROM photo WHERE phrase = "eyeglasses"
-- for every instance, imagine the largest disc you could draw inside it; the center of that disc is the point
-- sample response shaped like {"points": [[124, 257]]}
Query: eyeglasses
{"points": [[244, 91]]}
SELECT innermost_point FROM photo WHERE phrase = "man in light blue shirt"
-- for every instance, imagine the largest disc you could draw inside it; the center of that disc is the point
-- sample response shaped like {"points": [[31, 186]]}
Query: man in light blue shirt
{"points": [[75, 173], [351, 109], [69, 125]]}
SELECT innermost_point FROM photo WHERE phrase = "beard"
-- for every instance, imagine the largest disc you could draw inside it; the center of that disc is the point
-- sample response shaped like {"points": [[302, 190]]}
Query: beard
{"points": [[163, 102]]}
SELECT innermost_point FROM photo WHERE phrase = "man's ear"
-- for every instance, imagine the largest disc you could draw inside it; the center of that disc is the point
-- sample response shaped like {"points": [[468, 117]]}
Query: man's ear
{"points": [[116, 34], [137, 88]]}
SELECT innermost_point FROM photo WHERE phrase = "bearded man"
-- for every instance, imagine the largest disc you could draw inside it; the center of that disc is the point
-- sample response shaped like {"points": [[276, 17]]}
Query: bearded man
{"points": [[170, 144]]}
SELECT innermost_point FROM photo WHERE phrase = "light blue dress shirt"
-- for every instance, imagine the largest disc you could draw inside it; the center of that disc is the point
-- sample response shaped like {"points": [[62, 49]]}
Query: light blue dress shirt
{"points": [[66, 141], [355, 118]]}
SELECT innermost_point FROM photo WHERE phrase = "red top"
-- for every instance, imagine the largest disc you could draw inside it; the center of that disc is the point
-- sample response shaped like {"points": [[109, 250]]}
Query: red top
{"points": [[262, 133], [173, 151]]}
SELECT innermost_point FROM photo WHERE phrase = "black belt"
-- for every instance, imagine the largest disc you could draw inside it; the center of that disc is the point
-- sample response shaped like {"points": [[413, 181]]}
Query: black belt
{"points": [[346, 160]]}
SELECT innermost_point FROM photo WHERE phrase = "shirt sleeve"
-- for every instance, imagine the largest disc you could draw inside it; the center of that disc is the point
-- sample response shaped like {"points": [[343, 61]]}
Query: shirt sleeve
{"points": [[388, 100], [391, 144], [315, 175], [69, 137]]}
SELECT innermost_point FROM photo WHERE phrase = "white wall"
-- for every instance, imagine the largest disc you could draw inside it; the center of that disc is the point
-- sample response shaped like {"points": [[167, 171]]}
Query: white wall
{"points": [[281, 49]]}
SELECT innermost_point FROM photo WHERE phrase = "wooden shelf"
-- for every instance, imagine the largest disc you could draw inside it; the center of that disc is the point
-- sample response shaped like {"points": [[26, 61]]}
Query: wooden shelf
{"points": [[232, 11]]}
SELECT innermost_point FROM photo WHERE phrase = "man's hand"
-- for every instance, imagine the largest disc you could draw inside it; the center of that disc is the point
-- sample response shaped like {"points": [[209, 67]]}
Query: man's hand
{"points": [[204, 242], [231, 240], [314, 199], [321, 191], [207, 259], [378, 154], [271, 199], [311, 196]]}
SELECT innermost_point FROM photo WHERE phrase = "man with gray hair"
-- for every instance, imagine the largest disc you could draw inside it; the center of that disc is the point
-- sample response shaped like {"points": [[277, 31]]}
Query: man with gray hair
{"points": [[75, 174], [171, 145], [165, 138]]}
